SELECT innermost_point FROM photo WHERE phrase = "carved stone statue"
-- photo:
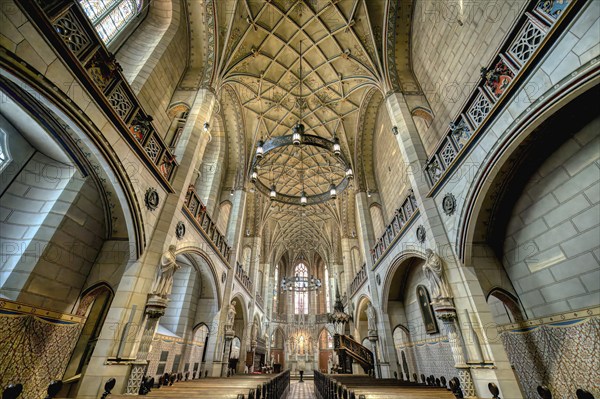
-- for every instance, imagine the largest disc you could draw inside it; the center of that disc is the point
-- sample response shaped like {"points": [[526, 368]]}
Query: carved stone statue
{"points": [[254, 333], [164, 281], [434, 271], [371, 317], [231, 314]]}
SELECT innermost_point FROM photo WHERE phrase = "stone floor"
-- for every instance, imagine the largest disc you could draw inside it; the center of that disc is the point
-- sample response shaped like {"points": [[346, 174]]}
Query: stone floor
{"points": [[301, 390]]}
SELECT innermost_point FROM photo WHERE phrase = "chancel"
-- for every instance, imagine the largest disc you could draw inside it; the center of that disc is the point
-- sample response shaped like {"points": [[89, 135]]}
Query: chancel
{"points": [[332, 199]]}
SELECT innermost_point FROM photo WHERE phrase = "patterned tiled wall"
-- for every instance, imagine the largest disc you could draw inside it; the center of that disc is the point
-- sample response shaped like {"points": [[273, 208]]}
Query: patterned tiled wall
{"points": [[174, 346], [432, 358], [561, 355], [34, 350]]}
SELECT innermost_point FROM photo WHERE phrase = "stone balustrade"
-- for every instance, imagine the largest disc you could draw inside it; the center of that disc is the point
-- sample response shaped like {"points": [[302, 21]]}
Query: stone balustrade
{"points": [[260, 301], [401, 220], [359, 279], [532, 32], [242, 277], [74, 38], [203, 223]]}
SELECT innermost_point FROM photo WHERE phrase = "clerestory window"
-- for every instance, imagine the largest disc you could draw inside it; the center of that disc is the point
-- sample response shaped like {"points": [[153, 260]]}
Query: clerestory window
{"points": [[110, 17]]}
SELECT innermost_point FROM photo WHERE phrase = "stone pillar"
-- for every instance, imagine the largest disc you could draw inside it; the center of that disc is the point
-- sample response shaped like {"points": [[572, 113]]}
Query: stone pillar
{"points": [[139, 273], [347, 266], [447, 314], [367, 239], [234, 234], [229, 334], [155, 308], [461, 278]]}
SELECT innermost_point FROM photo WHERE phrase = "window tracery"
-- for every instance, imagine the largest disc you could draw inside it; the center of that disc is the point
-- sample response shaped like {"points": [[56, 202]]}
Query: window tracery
{"points": [[110, 17], [301, 297]]}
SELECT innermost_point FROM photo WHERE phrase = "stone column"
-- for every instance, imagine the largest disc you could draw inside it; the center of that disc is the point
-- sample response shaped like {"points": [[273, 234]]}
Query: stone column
{"points": [[447, 314], [347, 266], [155, 309], [461, 278], [139, 273], [367, 239], [229, 334], [234, 234]]}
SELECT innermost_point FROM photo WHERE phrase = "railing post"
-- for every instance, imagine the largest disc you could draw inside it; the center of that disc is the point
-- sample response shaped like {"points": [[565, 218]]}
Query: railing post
{"points": [[12, 391], [108, 387], [53, 389]]}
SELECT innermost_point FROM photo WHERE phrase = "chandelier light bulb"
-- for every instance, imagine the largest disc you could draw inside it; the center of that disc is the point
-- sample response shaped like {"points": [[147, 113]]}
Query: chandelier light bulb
{"points": [[349, 173], [259, 149], [337, 150], [254, 176], [332, 191], [297, 132], [303, 199], [273, 193]]}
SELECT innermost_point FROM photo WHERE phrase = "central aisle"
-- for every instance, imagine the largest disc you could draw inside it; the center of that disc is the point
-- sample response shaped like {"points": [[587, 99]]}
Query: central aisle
{"points": [[304, 390]]}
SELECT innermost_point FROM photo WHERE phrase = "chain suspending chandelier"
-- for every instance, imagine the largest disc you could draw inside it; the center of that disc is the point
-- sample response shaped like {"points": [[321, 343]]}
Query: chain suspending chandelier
{"points": [[281, 160]]}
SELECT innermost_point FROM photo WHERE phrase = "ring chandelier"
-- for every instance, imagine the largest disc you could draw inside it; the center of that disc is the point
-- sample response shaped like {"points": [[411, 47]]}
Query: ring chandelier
{"points": [[300, 284], [299, 139], [333, 165]]}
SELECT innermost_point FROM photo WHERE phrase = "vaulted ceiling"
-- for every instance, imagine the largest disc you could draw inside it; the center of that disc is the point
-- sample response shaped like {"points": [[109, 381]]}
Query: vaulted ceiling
{"points": [[341, 47]]}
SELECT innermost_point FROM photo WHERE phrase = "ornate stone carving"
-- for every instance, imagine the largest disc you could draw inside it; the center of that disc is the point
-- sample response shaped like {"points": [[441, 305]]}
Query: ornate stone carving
{"points": [[230, 315], [151, 198], [449, 204], [434, 272], [180, 230], [421, 234], [103, 70], [164, 280], [371, 319]]}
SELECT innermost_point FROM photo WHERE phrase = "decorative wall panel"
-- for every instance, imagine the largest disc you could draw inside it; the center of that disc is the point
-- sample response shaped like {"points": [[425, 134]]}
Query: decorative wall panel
{"points": [[561, 355], [191, 353], [433, 357], [34, 349]]}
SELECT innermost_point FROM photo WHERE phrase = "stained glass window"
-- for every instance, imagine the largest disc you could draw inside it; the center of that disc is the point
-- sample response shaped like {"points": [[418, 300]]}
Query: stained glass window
{"points": [[5, 157], [110, 17], [301, 299]]}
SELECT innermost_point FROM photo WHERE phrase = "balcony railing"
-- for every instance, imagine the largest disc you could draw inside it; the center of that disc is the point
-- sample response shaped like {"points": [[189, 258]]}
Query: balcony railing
{"points": [[242, 277], [70, 33], [402, 218], [279, 318], [259, 301], [532, 33], [358, 280], [205, 225]]}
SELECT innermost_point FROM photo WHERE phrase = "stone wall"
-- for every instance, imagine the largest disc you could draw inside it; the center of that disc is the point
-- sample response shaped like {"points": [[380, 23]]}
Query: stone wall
{"points": [[561, 355], [551, 250], [52, 228], [390, 171], [174, 347], [34, 350], [451, 41]]}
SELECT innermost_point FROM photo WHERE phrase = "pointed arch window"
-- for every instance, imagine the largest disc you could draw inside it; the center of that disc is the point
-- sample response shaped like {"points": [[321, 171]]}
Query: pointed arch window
{"points": [[110, 17], [301, 297]]}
